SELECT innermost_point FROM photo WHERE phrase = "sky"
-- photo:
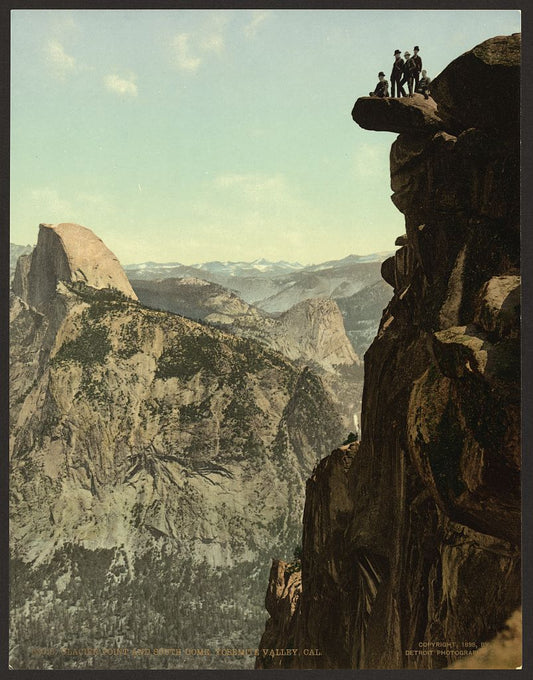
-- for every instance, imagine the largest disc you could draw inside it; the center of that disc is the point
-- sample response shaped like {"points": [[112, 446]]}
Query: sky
{"points": [[198, 135]]}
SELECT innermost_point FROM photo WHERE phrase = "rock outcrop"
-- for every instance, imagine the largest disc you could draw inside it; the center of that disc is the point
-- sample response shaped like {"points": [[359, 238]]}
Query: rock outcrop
{"points": [[397, 115], [414, 543], [481, 89], [504, 651], [69, 253], [282, 603], [196, 299], [313, 331]]}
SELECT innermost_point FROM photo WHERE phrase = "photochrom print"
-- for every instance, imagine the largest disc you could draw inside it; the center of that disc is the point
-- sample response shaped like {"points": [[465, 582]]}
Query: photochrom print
{"points": [[265, 339]]}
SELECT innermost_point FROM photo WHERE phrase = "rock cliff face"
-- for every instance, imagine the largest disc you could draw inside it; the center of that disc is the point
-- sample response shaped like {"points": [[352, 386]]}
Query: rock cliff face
{"points": [[360, 311], [412, 539], [313, 330], [155, 464], [71, 253]]}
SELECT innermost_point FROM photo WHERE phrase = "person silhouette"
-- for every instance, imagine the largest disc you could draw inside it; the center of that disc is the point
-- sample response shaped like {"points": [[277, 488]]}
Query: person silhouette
{"points": [[408, 72], [417, 60], [382, 88], [396, 76], [423, 84]]}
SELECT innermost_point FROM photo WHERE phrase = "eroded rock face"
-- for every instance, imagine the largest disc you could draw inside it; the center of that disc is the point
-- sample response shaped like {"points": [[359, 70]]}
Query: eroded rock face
{"points": [[282, 603], [481, 88], [314, 330], [69, 253], [418, 540]]}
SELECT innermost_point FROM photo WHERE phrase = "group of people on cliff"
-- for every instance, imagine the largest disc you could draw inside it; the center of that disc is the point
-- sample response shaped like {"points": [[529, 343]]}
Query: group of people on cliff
{"points": [[407, 71]]}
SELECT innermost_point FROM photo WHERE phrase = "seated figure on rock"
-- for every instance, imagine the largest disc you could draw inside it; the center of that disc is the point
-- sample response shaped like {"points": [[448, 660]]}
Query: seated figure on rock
{"points": [[423, 84], [382, 88]]}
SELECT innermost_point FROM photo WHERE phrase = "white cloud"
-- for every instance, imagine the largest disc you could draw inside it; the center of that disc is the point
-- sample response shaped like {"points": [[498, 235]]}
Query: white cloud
{"points": [[62, 22], [185, 59], [61, 63], [212, 43], [125, 86], [259, 16], [211, 38], [223, 181], [190, 49]]}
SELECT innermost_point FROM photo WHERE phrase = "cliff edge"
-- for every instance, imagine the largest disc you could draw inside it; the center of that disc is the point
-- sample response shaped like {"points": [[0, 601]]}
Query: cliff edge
{"points": [[411, 543]]}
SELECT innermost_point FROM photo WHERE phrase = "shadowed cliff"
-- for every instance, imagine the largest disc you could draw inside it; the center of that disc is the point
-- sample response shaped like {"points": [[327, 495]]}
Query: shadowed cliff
{"points": [[411, 540]]}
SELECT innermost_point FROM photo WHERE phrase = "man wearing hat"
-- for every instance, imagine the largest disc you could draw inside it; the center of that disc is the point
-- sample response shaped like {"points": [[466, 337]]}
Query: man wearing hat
{"points": [[424, 83], [418, 63], [409, 69], [396, 76], [382, 88]]}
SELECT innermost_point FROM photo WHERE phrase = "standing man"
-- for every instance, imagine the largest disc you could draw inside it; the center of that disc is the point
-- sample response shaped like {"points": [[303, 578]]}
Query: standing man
{"points": [[418, 63], [396, 76], [408, 67], [382, 88]]}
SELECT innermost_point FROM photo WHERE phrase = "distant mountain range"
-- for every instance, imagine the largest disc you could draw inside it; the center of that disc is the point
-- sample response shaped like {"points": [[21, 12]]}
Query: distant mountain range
{"points": [[274, 287], [259, 267], [247, 290]]}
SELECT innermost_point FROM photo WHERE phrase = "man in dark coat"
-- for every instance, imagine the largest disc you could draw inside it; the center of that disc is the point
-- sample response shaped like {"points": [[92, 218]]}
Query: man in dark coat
{"points": [[424, 83], [396, 76], [418, 63], [409, 69], [382, 88]]}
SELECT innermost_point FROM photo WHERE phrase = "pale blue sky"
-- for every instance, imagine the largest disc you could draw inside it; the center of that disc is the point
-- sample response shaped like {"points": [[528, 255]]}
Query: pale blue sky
{"points": [[192, 135]]}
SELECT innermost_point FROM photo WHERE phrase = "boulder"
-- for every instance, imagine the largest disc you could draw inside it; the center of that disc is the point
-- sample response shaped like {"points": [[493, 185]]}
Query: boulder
{"points": [[499, 306], [401, 240], [398, 269], [388, 271], [481, 88]]}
